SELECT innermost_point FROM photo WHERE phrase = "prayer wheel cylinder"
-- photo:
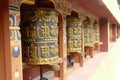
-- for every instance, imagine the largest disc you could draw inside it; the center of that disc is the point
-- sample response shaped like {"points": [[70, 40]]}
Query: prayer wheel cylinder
{"points": [[39, 29], [74, 38], [96, 33], [88, 34]]}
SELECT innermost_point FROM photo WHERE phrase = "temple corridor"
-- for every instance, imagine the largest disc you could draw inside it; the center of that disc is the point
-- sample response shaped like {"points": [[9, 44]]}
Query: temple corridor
{"points": [[104, 66], [59, 39]]}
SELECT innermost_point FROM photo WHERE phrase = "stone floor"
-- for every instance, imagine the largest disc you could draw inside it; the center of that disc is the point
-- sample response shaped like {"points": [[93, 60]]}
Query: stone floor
{"points": [[110, 68], [104, 66], [89, 68]]}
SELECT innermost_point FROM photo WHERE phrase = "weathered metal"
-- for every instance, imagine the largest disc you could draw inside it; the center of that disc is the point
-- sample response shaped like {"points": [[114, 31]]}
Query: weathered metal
{"points": [[39, 29], [74, 35], [88, 33]]}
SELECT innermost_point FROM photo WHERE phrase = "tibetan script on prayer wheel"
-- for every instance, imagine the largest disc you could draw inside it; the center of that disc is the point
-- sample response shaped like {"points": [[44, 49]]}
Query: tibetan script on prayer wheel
{"points": [[74, 32], [39, 29]]}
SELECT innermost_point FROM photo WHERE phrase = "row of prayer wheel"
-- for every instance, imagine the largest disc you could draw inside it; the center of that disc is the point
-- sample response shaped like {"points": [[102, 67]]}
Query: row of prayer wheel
{"points": [[39, 30]]}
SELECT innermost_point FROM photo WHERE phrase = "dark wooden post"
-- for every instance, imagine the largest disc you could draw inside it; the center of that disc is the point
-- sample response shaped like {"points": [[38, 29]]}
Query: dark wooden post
{"points": [[62, 47], [5, 56]]}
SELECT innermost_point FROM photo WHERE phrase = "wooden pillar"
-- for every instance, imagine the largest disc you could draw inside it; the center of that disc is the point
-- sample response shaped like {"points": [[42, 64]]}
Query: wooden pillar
{"points": [[5, 56], [62, 48], [118, 31], [104, 34], [16, 58], [114, 32], [83, 51]]}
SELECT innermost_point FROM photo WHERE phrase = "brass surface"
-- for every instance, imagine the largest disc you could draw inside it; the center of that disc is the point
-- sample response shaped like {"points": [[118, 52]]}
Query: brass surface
{"points": [[74, 35], [39, 29]]}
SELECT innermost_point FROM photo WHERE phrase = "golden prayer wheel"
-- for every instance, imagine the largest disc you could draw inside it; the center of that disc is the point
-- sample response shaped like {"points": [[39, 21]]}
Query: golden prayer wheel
{"points": [[96, 33], [74, 31], [88, 33], [39, 29]]}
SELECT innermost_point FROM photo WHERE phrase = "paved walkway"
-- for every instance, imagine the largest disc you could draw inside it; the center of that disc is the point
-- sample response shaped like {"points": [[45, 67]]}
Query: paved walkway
{"points": [[110, 68], [104, 66], [89, 68]]}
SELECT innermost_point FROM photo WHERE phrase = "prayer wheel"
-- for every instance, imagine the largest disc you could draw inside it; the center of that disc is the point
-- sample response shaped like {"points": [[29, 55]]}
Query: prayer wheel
{"points": [[39, 29], [88, 33], [96, 33], [96, 37], [74, 35]]}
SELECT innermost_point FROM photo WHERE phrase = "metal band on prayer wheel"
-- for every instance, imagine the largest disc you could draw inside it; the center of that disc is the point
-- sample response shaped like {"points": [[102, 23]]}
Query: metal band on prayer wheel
{"points": [[74, 35], [39, 29]]}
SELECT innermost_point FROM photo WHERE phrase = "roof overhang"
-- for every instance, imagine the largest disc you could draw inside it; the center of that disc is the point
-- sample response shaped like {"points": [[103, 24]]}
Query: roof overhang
{"points": [[98, 8]]}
